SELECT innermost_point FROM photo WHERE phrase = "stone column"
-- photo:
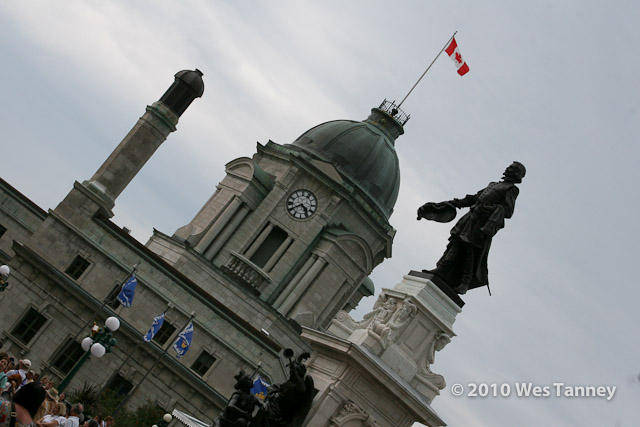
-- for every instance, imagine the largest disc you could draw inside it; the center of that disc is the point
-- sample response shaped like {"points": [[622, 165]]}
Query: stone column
{"points": [[297, 289], [217, 226], [227, 231]]}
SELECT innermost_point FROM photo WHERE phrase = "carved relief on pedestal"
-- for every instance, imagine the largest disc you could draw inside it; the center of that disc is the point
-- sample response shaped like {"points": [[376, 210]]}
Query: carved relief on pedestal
{"points": [[351, 415], [389, 317], [440, 340]]}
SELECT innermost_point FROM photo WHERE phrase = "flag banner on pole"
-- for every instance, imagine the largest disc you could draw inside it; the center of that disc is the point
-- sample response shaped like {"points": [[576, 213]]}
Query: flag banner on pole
{"points": [[454, 53], [181, 346], [259, 388], [128, 291], [155, 327]]}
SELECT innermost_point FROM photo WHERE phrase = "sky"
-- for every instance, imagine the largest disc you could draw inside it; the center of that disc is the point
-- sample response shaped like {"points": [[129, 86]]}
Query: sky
{"points": [[552, 84]]}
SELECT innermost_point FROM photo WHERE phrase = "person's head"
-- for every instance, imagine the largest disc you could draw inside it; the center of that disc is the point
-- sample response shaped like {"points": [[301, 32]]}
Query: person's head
{"points": [[61, 409], [45, 382], [515, 172], [77, 409], [24, 364], [3, 364], [91, 423], [30, 397], [109, 421], [52, 394]]}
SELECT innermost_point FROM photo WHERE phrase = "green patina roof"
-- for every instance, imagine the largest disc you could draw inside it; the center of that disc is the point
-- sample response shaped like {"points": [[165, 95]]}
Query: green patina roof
{"points": [[367, 283], [363, 152]]}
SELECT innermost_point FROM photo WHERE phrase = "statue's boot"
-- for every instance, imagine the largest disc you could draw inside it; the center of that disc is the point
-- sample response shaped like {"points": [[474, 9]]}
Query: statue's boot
{"points": [[463, 287]]}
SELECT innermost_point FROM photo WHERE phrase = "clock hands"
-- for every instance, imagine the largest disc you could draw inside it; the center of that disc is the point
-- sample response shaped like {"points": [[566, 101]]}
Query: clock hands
{"points": [[306, 210]]}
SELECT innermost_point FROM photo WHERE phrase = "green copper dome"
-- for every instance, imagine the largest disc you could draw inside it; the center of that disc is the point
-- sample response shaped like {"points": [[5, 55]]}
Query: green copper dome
{"points": [[363, 152]]}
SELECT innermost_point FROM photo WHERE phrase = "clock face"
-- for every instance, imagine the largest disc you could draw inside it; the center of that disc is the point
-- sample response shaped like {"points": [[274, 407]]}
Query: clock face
{"points": [[301, 204]]}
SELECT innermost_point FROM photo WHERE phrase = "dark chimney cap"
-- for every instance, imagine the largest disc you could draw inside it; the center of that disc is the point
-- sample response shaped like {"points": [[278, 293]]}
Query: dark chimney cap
{"points": [[187, 86], [193, 79]]}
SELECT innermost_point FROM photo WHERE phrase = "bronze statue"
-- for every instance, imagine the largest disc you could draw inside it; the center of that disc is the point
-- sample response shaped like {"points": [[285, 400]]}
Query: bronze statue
{"points": [[463, 265], [288, 404], [239, 409]]}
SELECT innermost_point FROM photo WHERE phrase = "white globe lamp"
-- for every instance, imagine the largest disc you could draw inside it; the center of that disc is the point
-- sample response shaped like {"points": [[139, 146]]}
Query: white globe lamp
{"points": [[112, 323], [98, 350], [86, 343]]}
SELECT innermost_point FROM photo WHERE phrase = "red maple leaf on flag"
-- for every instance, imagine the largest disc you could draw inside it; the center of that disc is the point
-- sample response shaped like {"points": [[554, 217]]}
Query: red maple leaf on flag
{"points": [[455, 55]]}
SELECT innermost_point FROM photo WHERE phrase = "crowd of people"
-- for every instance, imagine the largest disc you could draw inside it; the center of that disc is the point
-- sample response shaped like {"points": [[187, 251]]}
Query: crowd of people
{"points": [[29, 400]]}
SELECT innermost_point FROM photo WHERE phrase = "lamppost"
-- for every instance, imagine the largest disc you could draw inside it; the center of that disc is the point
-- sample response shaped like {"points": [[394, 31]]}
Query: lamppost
{"points": [[166, 419], [100, 342]]}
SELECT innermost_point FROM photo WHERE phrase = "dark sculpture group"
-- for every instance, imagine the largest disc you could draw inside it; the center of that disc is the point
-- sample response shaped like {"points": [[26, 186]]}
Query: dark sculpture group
{"points": [[286, 404]]}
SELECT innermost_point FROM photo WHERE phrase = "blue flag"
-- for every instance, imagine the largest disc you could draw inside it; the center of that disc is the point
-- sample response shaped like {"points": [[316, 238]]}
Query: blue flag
{"points": [[259, 388], [181, 346], [128, 291], [155, 327]]}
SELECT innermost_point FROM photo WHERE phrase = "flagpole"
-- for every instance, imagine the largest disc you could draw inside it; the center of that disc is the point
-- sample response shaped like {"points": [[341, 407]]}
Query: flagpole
{"points": [[128, 396], [106, 301], [425, 71], [138, 343]]}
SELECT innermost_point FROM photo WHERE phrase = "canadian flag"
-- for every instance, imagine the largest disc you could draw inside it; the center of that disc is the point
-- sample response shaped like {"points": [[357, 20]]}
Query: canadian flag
{"points": [[454, 53]]}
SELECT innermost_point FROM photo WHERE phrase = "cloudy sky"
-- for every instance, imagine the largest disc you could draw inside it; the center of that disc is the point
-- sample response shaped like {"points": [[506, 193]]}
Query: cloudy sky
{"points": [[553, 84]]}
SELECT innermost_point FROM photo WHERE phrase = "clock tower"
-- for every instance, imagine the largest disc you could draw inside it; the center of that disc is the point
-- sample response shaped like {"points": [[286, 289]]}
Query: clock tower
{"points": [[301, 225]]}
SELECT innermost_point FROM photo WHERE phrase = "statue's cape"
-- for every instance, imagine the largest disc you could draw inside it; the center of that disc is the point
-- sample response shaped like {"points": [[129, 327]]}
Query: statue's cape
{"points": [[440, 212]]}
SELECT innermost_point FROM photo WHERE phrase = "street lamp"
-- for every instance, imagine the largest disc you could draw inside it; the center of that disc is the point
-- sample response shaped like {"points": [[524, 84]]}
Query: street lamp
{"points": [[166, 419], [100, 342]]}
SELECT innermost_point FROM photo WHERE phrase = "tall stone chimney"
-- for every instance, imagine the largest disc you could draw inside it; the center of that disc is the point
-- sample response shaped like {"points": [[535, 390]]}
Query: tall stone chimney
{"points": [[143, 140]]}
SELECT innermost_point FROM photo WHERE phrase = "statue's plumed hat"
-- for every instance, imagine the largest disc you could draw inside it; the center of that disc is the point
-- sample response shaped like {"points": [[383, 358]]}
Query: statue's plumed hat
{"points": [[440, 212]]}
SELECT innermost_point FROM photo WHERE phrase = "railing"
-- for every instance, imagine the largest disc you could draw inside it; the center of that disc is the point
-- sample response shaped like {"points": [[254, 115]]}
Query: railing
{"points": [[247, 271], [395, 111]]}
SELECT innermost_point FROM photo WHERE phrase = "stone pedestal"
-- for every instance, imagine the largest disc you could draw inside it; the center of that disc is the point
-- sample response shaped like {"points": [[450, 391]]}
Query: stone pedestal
{"points": [[408, 324]]}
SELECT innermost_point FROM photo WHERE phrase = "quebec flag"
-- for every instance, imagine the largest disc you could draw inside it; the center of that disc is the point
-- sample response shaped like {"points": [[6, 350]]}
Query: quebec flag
{"points": [[155, 327], [259, 388], [128, 291], [181, 346]]}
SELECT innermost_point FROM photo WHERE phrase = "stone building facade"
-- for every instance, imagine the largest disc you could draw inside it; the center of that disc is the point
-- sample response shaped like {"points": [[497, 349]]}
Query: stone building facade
{"points": [[274, 259]]}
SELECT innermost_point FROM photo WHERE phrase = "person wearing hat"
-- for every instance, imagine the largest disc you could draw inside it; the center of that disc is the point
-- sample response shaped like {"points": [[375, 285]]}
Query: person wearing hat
{"points": [[72, 421], [50, 404], [463, 265], [25, 403], [19, 376], [57, 413]]}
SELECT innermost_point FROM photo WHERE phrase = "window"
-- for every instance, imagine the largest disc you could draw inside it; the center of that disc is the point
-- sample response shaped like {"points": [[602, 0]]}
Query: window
{"points": [[77, 267], [30, 323], [274, 240], [119, 386], [3, 230], [68, 356], [203, 363], [165, 332]]}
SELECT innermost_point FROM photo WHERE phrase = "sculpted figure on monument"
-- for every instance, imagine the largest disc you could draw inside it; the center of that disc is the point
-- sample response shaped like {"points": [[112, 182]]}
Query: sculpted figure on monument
{"points": [[382, 315], [239, 409], [288, 404], [463, 265]]}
